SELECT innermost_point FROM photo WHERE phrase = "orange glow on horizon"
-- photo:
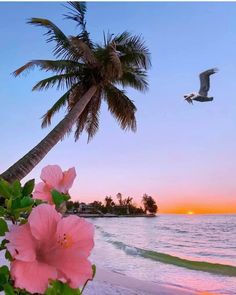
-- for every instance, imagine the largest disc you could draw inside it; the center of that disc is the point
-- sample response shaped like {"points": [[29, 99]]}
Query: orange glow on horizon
{"points": [[198, 208], [207, 293], [183, 205]]}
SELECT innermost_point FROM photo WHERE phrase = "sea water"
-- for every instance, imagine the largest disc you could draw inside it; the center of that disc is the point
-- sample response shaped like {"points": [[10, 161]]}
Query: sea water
{"points": [[197, 252]]}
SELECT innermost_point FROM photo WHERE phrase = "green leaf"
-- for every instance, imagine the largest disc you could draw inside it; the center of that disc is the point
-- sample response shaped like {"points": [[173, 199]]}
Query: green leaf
{"points": [[8, 255], [3, 279], [8, 203], [59, 198], [16, 203], [26, 202], [2, 211], [38, 202], [69, 291], [4, 275], [8, 289], [66, 198], [16, 188], [3, 227], [94, 270], [58, 288], [5, 189], [4, 270], [23, 221], [2, 246], [28, 187], [22, 205]]}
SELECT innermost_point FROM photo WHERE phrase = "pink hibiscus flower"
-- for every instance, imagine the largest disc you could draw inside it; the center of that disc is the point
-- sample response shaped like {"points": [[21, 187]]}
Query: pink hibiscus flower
{"points": [[53, 178], [50, 247]]}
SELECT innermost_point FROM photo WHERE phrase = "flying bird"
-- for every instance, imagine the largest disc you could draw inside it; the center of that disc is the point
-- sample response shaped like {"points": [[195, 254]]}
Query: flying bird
{"points": [[204, 88]]}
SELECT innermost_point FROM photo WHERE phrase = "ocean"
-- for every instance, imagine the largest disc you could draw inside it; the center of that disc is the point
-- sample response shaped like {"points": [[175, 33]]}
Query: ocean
{"points": [[196, 252]]}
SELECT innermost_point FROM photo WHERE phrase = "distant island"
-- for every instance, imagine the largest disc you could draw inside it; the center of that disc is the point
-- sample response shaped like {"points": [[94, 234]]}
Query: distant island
{"points": [[124, 207]]}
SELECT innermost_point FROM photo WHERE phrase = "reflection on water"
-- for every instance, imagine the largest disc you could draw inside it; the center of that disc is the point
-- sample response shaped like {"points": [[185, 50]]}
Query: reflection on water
{"points": [[207, 238]]}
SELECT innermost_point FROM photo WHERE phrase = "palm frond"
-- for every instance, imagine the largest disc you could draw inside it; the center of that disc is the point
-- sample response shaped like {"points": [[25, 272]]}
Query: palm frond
{"points": [[89, 119], [92, 123], [81, 122], [77, 13], [60, 81], [110, 66], [54, 34], [57, 66], [82, 50], [122, 108], [75, 94], [73, 98], [61, 102], [122, 38], [135, 78], [133, 50], [115, 63]]}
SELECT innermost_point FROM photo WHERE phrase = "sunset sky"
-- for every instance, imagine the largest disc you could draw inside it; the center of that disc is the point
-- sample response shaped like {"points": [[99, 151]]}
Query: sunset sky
{"points": [[182, 155]]}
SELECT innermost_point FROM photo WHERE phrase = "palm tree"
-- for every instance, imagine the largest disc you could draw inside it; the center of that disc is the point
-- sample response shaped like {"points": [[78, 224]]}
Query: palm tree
{"points": [[128, 202], [119, 197], [90, 73], [109, 203]]}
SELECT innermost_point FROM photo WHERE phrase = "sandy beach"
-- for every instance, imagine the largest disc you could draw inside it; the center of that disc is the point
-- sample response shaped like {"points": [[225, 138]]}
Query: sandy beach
{"points": [[111, 283]]}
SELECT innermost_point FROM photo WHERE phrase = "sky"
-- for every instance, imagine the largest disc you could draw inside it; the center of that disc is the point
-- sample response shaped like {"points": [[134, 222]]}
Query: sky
{"points": [[183, 155]]}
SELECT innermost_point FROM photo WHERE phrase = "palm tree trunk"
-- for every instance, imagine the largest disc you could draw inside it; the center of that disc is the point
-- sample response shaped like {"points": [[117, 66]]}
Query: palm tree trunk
{"points": [[23, 166]]}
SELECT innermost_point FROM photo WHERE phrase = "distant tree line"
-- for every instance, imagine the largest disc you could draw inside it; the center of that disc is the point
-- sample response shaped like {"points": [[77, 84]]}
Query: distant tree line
{"points": [[122, 205]]}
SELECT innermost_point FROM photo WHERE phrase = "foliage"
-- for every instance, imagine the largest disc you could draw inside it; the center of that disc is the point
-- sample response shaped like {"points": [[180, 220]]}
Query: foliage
{"points": [[98, 207], [58, 288], [17, 205], [124, 206], [59, 198], [69, 205], [149, 204], [120, 61], [119, 197], [17, 202], [109, 203]]}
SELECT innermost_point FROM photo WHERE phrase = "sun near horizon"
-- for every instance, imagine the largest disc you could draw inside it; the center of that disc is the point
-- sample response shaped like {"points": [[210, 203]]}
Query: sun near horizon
{"points": [[197, 209], [172, 207]]}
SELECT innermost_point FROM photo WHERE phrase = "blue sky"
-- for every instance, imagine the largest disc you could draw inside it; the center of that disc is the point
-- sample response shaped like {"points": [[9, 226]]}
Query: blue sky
{"points": [[183, 155]]}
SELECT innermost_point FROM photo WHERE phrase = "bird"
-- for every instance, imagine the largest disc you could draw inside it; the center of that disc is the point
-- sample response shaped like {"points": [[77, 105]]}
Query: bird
{"points": [[201, 96]]}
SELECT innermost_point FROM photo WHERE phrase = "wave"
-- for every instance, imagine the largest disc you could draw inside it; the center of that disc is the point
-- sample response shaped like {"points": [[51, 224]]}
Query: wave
{"points": [[106, 234], [214, 268]]}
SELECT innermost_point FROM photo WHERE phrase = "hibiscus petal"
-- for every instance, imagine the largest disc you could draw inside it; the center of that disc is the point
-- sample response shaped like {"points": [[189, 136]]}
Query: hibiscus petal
{"points": [[52, 175], [32, 276], [78, 232], [68, 179], [21, 244], [73, 267], [78, 273], [43, 222], [42, 192]]}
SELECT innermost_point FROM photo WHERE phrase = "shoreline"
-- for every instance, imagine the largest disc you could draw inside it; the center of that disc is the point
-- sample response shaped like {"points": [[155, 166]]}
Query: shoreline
{"points": [[95, 215], [107, 282]]}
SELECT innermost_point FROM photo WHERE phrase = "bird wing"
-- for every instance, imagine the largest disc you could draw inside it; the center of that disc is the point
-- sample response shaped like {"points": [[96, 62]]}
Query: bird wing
{"points": [[205, 81]]}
